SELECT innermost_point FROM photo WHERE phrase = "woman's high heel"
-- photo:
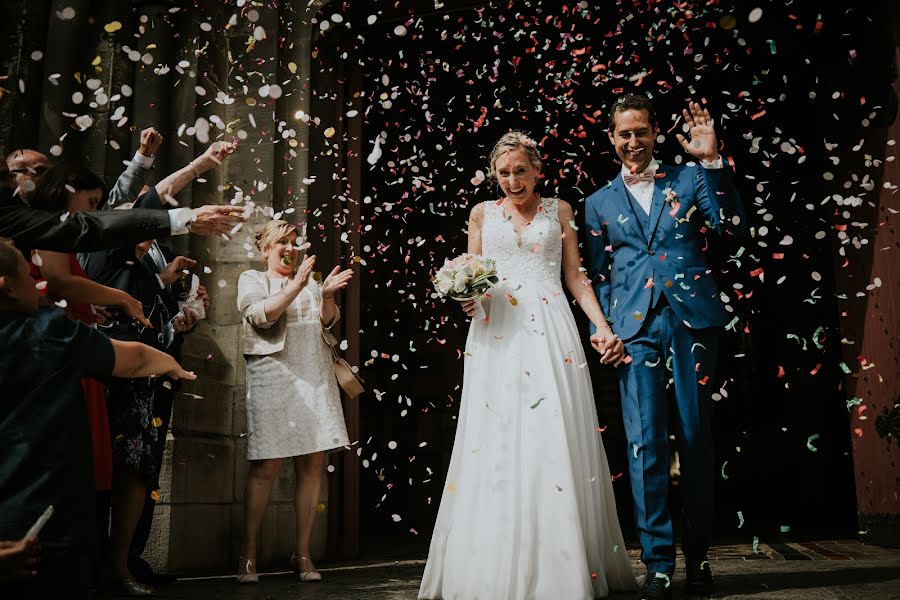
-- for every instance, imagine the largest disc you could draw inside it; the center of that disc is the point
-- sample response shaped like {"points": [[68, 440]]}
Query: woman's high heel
{"points": [[246, 572], [305, 576]]}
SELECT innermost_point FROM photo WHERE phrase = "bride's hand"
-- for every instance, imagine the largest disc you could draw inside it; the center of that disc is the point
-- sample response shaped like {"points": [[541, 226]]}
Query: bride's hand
{"points": [[609, 346], [468, 307]]}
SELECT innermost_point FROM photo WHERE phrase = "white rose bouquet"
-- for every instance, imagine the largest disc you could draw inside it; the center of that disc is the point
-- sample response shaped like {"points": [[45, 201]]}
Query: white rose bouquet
{"points": [[466, 277]]}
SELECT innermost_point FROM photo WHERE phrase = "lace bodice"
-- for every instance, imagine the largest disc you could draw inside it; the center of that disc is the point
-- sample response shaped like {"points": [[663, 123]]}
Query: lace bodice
{"points": [[534, 254]]}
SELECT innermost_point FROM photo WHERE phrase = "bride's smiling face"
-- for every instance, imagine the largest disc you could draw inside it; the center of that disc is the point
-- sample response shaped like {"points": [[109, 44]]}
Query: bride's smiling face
{"points": [[516, 175]]}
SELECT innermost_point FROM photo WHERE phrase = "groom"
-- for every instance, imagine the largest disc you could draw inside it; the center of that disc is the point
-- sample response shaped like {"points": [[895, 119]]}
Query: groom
{"points": [[652, 278]]}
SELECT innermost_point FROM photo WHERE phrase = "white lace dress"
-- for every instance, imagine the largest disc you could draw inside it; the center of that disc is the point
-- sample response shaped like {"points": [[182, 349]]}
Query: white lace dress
{"points": [[528, 510], [293, 400]]}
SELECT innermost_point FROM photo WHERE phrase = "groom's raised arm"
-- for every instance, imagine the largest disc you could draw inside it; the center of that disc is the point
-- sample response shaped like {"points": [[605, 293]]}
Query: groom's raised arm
{"points": [[719, 200], [599, 264]]}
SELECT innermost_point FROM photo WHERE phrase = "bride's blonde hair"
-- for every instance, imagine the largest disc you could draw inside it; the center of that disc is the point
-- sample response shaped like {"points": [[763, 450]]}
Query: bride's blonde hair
{"points": [[273, 231], [514, 140]]}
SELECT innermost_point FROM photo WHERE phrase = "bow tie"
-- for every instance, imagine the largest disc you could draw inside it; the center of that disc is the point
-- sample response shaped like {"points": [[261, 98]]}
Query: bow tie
{"points": [[635, 178]]}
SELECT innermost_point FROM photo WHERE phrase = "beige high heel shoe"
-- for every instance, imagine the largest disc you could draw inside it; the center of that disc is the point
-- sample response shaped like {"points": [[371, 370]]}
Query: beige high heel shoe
{"points": [[305, 576], [246, 571]]}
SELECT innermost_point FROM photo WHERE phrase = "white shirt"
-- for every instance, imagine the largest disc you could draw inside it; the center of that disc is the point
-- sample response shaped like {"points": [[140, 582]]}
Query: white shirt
{"points": [[643, 190]]}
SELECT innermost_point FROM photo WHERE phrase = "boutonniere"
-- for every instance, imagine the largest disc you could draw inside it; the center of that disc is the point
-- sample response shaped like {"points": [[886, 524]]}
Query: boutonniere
{"points": [[672, 200]]}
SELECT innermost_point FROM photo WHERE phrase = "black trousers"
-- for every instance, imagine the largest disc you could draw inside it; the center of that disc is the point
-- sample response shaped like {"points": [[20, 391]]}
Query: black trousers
{"points": [[162, 408]]}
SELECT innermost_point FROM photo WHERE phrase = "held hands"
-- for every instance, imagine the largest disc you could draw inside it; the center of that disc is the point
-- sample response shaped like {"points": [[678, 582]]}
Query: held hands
{"points": [[151, 140], [336, 280], [468, 307], [703, 144], [609, 346], [173, 270], [301, 276]]}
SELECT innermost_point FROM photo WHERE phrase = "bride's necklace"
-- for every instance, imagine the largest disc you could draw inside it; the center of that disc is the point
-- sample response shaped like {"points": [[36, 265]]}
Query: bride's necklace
{"points": [[525, 221]]}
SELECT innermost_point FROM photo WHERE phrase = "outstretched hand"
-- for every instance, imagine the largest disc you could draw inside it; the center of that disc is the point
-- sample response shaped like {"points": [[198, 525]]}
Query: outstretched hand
{"points": [[703, 144], [213, 219]]}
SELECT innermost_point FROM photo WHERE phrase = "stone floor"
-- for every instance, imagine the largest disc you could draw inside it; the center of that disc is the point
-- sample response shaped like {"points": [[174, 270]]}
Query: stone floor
{"points": [[784, 570]]}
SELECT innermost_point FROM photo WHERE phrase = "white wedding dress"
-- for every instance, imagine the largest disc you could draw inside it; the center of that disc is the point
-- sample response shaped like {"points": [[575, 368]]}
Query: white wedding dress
{"points": [[528, 510]]}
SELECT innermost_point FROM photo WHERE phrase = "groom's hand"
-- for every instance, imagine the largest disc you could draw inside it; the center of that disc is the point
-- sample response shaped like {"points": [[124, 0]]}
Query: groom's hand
{"points": [[609, 346]]}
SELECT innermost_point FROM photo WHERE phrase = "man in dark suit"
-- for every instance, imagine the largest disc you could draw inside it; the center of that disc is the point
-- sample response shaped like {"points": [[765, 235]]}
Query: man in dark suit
{"points": [[60, 231], [646, 241]]}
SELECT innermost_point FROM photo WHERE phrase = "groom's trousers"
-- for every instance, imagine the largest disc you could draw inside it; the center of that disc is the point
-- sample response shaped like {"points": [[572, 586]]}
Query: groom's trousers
{"points": [[667, 354]]}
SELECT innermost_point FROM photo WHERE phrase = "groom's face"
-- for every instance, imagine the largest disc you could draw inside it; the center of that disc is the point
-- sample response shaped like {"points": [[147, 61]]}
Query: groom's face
{"points": [[633, 139]]}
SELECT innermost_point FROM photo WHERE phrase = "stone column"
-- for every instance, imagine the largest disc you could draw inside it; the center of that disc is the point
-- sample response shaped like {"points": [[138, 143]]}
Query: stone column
{"points": [[249, 91]]}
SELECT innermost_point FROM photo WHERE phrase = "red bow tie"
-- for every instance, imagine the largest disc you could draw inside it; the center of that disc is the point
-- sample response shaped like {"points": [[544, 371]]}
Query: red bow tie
{"points": [[635, 178]]}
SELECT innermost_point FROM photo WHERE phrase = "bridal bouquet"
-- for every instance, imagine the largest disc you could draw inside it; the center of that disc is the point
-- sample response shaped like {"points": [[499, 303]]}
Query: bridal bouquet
{"points": [[466, 277]]}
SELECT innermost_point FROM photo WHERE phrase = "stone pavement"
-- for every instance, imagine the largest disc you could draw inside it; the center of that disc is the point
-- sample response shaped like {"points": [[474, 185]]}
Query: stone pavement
{"points": [[777, 571]]}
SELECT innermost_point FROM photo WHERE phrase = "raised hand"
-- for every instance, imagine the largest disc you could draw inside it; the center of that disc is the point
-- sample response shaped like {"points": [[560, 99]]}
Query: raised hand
{"points": [[214, 155], [151, 140], [335, 281], [703, 144], [173, 270], [301, 277]]}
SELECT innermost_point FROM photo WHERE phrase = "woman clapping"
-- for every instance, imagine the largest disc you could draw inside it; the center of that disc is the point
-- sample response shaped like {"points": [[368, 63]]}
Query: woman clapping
{"points": [[293, 401]]}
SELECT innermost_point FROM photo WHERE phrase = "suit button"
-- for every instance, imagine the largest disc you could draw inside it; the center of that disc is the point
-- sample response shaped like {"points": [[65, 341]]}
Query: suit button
{"points": [[651, 252]]}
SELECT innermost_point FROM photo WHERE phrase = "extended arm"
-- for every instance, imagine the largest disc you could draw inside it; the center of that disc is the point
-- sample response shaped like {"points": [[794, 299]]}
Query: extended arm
{"points": [[134, 359], [175, 182], [62, 283], [136, 174], [719, 201], [81, 231]]}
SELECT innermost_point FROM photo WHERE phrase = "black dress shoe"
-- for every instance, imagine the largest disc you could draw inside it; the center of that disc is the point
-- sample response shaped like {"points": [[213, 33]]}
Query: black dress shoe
{"points": [[699, 579], [143, 572], [656, 586]]}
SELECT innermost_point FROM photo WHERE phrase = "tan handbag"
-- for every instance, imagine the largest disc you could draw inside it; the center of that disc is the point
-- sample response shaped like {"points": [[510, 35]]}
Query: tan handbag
{"points": [[350, 382]]}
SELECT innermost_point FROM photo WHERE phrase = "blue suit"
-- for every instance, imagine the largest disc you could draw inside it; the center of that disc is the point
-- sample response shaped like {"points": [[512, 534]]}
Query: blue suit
{"points": [[655, 286]]}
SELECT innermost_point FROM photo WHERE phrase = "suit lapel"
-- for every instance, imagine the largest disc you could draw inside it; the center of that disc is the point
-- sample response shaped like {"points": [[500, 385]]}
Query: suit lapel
{"points": [[657, 205], [626, 206]]}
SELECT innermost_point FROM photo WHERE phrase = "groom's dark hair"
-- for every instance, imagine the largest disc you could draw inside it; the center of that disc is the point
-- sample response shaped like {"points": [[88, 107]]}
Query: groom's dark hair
{"points": [[632, 102]]}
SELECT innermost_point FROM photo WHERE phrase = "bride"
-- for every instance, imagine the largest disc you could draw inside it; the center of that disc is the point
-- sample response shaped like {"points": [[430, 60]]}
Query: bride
{"points": [[528, 510]]}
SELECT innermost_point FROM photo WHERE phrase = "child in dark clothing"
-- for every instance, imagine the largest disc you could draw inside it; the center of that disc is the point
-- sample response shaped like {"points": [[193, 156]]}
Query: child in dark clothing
{"points": [[45, 446]]}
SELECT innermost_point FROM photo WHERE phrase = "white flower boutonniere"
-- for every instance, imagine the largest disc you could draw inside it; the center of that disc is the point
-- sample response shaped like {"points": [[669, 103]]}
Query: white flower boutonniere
{"points": [[671, 197], [672, 201]]}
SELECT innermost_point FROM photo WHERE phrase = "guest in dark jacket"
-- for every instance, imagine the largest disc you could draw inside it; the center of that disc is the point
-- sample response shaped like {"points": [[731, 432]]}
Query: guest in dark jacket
{"points": [[45, 444]]}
